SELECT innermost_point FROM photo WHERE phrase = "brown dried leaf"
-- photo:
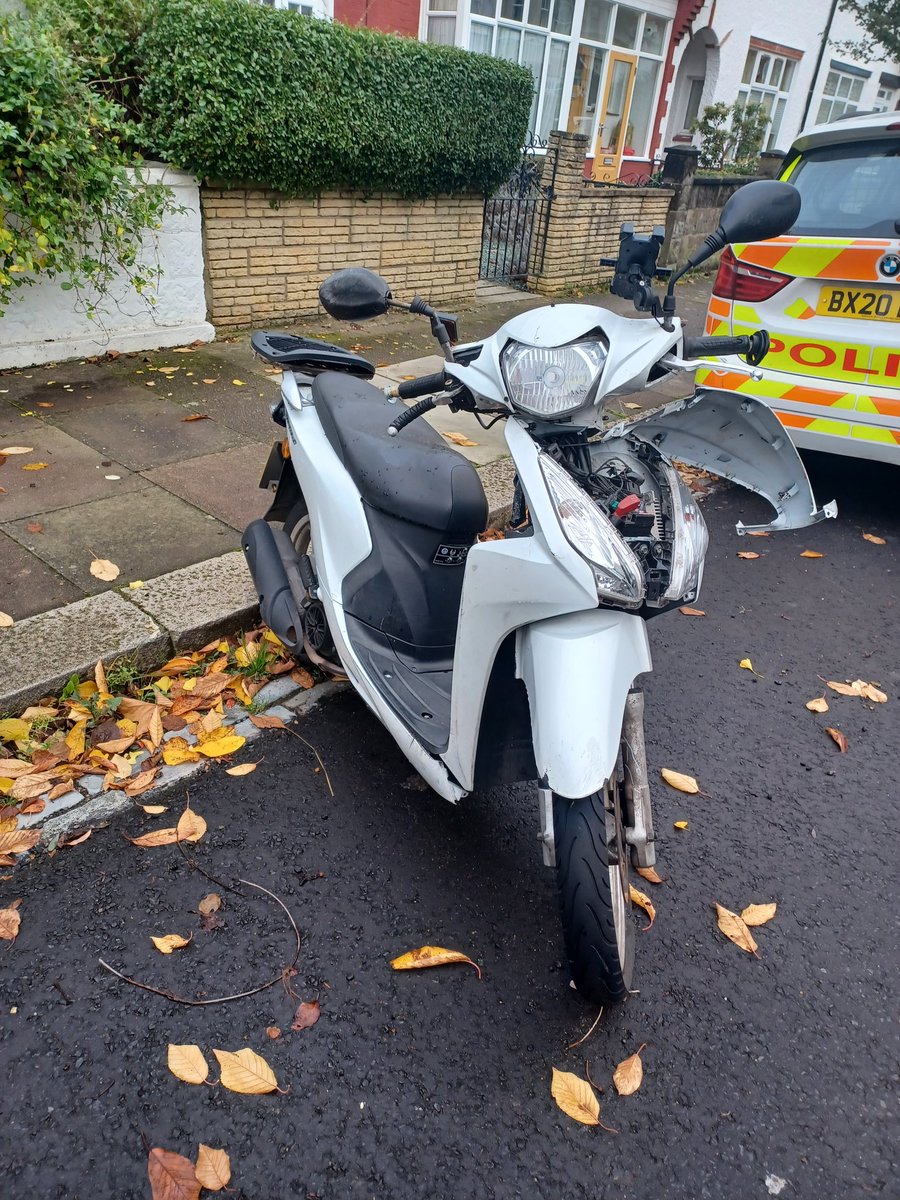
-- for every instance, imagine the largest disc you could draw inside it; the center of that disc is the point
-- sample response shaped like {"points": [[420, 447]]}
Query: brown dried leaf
{"points": [[747, 554], [683, 783], [871, 692], [306, 1015], [210, 686], [116, 746], [34, 527], [847, 689], [197, 417], [431, 956], [213, 1168], [6, 621], [188, 1064], [629, 1074], [735, 929], [819, 705], [170, 941], [210, 904], [155, 730], [650, 874], [19, 840], [758, 914], [273, 1032], [691, 612], [575, 1097], [191, 826], [10, 920], [172, 1177], [158, 837], [142, 783], [302, 676], [244, 1071], [811, 554], [839, 738], [241, 769], [265, 722], [459, 439], [78, 839], [102, 568], [643, 901], [877, 541]]}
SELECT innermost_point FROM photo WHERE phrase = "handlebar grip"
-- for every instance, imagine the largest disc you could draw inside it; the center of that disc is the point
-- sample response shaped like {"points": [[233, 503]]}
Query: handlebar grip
{"points": [[410, 414], [410, 388], [755, 346]]}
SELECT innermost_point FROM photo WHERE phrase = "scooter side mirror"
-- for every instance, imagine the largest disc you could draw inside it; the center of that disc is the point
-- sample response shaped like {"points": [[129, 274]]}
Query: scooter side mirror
{"points": [[355, 294], [760, 210]]}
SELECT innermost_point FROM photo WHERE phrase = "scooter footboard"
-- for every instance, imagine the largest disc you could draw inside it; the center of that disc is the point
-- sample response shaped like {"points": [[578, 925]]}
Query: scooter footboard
{"points": [[578, 670]]}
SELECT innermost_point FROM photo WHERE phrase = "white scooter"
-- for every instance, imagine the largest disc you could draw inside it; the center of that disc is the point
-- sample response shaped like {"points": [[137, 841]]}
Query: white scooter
{"points": [[515, 658]]}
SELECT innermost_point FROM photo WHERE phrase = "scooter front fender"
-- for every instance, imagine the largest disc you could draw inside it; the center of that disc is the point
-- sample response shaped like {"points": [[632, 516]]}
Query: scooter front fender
{"points": [[578, 670]]}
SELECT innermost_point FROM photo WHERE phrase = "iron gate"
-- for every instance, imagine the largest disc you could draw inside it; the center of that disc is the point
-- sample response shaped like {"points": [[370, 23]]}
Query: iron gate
{"points": [[516, 219]]}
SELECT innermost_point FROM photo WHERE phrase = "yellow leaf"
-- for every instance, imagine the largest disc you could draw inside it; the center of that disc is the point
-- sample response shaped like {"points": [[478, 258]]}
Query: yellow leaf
{"points": [[5, 789], [735, 929], [650, 874], [6, 620], [213, 1168], [629, 1074], [811, 554], [643, 901], [746, 664], [102, 568], [170, 942], [13, 730], [431, 956], [10, 920], [158, 837], [269, 636], [820, 705], [191, 826], [575, 1097], [680, 824], [747, 554], [127, 726], [154, 809], [188, 1064], [75, 739], [209, 904], [238, 382], [35, 466], [155, 730], [459, 439], [16, 449], [190, 683], [222, 746], [684, 783], [241, 769], [87, 689], [846, 689], [171, 1176], [758, 914], [135, 584], [871, 692], [245, 1072], [177, 750], [870, 537], [630, 404]]}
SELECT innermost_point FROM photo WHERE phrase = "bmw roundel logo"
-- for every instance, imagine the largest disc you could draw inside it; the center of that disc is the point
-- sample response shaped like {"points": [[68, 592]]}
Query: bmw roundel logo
{"points": [[889, 266]]}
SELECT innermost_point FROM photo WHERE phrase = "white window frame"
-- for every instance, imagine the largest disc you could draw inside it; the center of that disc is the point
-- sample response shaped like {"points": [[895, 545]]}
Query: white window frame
{"points": [[831, 104], [771, 85], [323, 9]]}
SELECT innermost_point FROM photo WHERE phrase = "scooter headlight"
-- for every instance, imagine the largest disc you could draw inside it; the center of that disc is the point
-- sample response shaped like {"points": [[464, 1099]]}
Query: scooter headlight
{"points": [[589, 531], [552, 381], [691, 539]]}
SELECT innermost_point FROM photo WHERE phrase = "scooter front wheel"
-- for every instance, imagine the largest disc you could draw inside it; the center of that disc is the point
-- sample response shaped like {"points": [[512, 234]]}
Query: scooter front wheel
{"points": [[592, 875]]}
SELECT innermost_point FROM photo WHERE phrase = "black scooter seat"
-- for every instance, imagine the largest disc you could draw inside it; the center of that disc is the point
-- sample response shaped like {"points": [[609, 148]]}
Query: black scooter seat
{"points": [[415, 475]]}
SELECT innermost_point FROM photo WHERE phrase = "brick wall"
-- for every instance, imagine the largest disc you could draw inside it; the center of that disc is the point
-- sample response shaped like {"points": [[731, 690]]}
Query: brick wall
{"points": [[585, 219], [265, 263], [391, 16]]}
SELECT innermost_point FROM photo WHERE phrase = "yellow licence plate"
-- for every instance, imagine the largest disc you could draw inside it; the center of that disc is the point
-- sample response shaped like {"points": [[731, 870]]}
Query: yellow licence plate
{"points": [[873, 304]]}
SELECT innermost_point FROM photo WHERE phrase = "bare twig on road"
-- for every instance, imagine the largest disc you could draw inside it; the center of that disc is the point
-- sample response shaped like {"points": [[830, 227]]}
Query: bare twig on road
{"points": [[589, 1032]]}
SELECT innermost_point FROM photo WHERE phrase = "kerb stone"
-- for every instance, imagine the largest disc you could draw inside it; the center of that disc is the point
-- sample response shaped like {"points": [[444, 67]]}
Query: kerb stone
{"points": [[202, 602]]}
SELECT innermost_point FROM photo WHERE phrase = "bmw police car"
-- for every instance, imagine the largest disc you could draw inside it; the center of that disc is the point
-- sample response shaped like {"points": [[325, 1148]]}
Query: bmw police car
{"points": [[828, 292]]}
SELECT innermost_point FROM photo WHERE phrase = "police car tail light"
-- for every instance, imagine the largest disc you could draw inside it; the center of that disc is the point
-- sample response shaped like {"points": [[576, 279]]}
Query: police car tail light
{"points": [[737, 280]]}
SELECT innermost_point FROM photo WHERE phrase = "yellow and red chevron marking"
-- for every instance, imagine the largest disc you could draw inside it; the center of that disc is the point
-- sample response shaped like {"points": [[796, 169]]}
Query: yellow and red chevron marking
{"points": [[818, 258]]}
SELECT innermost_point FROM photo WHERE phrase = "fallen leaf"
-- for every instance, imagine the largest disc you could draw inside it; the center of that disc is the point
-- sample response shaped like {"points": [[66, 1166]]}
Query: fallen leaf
{"points": [[172, 1177], [264, 722], [154, 809], [35, 466], [819, 705], [6, 620], [77, 841], [177, 750], [19, 840], [116, 746], [758, 914], [811, 554], [155, 730], [13, 729], [169, 942], [34, 527], [197, 417], [840, 738], [221, 747], [650, 874], [142, 782], [870, 537], [683, 783], [208, 381], [135, 584], [871, 692], [191, 826], [213, 1168], [273, 1032], [629, 1074], [575, 1097], [244, 1071], [238, 382], [102, 568], [643, 901], [306, 1015], [210, 904], [431, 956], [846, 689], [188, 1064], [10, 920], [241, 769], [757, 533], [747, 554], [630, 404], [16, 449], [302, 676], [735, 929], [747, 665], [459, 439], [692, 612], [158, 837], [680, 824]]}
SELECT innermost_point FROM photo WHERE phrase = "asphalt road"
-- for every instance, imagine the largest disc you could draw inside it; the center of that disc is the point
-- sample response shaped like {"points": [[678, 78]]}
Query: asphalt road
{"points": [[433, 1084]]}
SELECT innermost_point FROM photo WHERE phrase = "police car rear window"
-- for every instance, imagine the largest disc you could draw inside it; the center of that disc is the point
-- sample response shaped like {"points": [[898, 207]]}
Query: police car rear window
{"points": [[850, 190]]}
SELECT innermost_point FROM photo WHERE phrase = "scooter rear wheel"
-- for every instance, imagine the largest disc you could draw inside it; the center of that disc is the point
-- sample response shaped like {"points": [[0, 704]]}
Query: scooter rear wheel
{"points": [[592, 876]]}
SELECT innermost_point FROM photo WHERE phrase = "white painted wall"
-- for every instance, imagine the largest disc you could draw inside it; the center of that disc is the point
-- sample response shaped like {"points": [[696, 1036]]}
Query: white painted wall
{"points": [[800, 25], [44, 324]]}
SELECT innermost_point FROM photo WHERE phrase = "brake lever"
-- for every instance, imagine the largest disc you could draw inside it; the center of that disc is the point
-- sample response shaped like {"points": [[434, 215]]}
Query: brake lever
{"points": [[672, 362]]}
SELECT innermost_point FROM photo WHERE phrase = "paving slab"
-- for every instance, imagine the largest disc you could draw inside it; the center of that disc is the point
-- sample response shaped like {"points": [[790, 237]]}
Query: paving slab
{"points": [[147, 432], [244, 410], [28, 585], [39, 654], [74, 472], [225, 485], [202, 601], [150, 533]]}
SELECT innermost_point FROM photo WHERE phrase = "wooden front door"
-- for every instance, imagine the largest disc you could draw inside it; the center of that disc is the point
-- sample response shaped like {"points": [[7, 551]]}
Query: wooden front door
{"points": [[613, 128]]}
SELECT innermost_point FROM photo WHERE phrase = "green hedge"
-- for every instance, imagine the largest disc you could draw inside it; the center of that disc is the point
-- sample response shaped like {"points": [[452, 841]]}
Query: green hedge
{"points": [[240, 92]]}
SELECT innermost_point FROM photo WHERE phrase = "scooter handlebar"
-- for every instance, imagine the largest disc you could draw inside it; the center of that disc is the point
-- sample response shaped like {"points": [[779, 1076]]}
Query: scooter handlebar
{"points": [[755, 346], [410, 388], [411, 414]]}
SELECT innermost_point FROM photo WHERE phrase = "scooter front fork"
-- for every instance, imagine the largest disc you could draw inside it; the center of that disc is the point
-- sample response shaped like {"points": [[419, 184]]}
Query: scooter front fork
{"points": [[638, 811]]}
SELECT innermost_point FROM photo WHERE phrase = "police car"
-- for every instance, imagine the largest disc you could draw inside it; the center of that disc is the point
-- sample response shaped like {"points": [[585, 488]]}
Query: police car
{"points": [[828, 292]]}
